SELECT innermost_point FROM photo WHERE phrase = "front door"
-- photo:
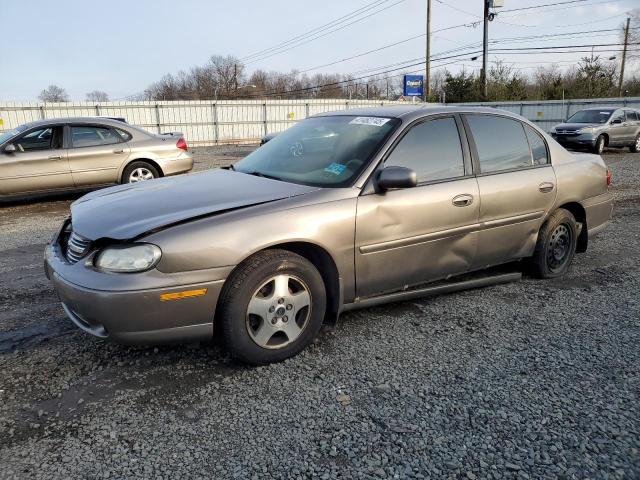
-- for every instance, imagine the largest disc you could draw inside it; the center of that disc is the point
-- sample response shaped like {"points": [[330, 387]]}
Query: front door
{"points": [[96, 154], [415, 235], [39, 162], [517, 187]]}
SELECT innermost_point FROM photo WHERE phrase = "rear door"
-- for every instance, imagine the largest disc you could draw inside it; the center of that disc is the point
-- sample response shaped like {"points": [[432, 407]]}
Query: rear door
{"points": [[96, 153], [517, 186], [633, 122], [39, 162], [415, 235]]}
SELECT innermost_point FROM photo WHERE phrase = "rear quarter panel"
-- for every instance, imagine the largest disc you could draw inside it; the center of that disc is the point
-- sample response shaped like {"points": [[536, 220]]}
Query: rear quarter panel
{"points": [[582, 178]]}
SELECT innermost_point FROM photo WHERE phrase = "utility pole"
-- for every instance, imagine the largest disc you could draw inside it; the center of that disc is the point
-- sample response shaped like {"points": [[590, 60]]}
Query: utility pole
{"points": [[485, 49], [427, 76], [235, 79], [624, 57]]}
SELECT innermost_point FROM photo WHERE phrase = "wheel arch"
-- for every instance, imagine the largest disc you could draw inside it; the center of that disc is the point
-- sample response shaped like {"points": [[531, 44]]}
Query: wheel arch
{"points": [[129, 161], [580, 214], [326, 265]]}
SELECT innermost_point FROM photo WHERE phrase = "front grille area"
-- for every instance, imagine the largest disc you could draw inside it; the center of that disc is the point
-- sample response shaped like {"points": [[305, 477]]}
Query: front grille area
{"points": [[77, 247]]}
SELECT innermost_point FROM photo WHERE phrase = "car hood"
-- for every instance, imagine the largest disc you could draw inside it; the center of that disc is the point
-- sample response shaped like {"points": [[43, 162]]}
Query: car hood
{"points": [[576, 126], [127, 211]]}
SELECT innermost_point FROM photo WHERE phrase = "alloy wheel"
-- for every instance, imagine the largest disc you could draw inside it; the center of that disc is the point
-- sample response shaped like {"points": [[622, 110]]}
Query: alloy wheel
{"points": [[279, 311], [140, 174]]}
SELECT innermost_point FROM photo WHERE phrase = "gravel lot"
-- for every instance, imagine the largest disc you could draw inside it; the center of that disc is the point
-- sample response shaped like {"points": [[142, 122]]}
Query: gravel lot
{"points": [[535, 379]]}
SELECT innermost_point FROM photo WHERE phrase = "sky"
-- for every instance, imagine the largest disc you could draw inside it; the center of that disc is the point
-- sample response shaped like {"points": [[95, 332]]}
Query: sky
{"points": [[122, 46]]}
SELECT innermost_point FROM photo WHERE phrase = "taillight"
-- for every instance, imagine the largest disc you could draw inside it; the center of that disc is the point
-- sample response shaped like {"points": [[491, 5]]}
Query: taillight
{"points": [[182, 144], [609, 176]]}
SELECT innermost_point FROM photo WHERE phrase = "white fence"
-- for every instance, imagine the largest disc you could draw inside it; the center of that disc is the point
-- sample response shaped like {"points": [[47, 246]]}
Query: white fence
{"points": [[551, 112], [235, 121], [202, 122]]}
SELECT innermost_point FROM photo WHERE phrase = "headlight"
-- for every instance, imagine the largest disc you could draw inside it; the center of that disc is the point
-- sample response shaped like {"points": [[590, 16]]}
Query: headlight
{"points": [[585, 130], [553, 130], [131, 258]]}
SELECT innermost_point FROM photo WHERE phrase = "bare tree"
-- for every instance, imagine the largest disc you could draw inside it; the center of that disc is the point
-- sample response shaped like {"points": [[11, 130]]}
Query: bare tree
{"points": [[97, 96], [54, 93]]}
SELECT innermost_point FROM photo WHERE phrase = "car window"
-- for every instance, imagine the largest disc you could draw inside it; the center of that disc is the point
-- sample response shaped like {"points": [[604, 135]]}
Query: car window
{"points": [[93, 136], [126, 136], [632, 115], [45, 138], [590, 116], [501, 143], [538, 147], [618, 114], [432, 149]]}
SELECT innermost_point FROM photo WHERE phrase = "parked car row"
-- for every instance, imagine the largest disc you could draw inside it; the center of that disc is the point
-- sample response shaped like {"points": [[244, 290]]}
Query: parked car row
{"points": [[77, 153], [342, 210]]}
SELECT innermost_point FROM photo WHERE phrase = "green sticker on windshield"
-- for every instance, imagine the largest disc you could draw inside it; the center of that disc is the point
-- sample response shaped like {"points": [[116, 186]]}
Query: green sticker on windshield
{"points": [[336, 168]]}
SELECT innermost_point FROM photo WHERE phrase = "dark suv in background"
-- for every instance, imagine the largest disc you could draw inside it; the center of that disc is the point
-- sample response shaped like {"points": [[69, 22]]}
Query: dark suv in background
{"points": [[597, 128]]}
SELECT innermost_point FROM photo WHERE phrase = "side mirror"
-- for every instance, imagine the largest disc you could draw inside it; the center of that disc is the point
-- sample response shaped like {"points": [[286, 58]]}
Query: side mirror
{"points": [[11, 148], [396, 177], [616, 120]]}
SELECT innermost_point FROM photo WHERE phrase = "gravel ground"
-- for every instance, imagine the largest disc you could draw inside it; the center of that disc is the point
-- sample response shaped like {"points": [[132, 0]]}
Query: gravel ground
{"points": [[535, 379]]}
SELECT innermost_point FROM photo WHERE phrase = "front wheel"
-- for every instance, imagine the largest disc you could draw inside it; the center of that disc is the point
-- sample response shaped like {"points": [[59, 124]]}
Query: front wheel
{"points": [[271, 307], [556, 245], [635, 148], [599, 145]]}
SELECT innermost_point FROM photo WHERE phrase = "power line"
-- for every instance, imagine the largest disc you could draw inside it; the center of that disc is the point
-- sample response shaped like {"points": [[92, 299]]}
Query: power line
{"points": [[504, 51], [494, 41], [541, 6], [295, 45], [330, 24]]}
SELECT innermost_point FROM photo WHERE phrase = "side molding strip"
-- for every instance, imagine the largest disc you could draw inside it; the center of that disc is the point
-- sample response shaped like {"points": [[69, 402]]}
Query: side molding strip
{"points": [[434, 290]]}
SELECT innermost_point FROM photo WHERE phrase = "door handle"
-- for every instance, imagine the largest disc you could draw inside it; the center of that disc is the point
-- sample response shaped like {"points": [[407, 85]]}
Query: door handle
{"points": [[546, 187], [55, 157], [463, 200], [118, 151]]}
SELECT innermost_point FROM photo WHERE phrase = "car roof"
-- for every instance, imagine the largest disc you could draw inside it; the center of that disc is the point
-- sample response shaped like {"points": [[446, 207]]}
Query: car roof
{"points": [[411, 112], [88, 120]]}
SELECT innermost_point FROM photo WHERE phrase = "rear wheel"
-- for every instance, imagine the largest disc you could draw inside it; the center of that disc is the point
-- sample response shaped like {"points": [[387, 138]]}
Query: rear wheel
{"points": [[139, 172], [271, 307], [556, 245], [599, 145], [635, 148]]}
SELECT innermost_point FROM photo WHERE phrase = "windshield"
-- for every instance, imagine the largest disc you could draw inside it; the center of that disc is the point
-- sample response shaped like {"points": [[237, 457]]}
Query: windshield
{"points": [[590, 116], [4, 136], [320, 151]]}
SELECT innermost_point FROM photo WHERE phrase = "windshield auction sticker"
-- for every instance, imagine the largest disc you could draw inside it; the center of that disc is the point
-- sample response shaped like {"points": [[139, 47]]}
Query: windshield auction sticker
{"points": [[335, 168], [376, 121]]}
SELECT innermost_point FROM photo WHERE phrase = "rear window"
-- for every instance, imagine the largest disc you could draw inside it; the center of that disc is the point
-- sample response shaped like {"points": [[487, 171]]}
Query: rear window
{"points": [[126, 136], [501, 142], [538, 146], [93, 136]]}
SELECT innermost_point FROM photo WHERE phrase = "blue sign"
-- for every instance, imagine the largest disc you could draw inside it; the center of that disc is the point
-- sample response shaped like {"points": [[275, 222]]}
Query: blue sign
{"points": [[413, 85]]}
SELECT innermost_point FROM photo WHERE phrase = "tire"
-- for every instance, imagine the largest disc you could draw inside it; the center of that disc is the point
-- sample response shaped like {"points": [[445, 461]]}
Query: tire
{"points": [[141, 170], [255, 327], [635, 147], [599, 145], [556, 245]]}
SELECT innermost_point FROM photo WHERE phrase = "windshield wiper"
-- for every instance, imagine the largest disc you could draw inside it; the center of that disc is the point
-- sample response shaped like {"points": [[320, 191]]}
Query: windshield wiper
{"points": [[263, 175]]}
